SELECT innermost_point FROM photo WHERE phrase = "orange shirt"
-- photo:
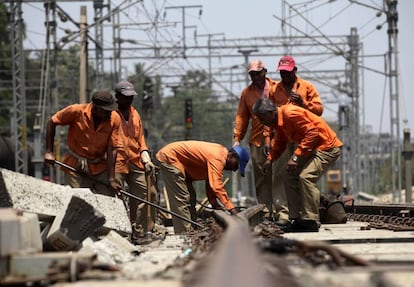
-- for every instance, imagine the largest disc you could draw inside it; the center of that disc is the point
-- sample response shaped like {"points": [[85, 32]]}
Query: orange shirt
{"points": [[298, 125], [248, 97], [199, 160], [84, 140], [132, 136], [308, 92]]}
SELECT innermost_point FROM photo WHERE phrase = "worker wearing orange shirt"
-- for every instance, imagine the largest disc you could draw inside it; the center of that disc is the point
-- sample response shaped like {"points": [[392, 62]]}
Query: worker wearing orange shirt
{"points": [[93, 140], [294, 89], [183, 162], [291, 89], [133, 160], [317, 148], [259, 139]]}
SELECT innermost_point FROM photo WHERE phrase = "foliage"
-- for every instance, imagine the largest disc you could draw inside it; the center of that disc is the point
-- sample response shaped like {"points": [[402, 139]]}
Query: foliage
{"points": [[212, 119]]}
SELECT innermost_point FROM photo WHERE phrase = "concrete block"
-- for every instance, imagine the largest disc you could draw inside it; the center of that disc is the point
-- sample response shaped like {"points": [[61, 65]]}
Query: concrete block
{"points": [[9, 232], [46, 266], [19, 232], [73, 225], [47, 199], [30, 230]]}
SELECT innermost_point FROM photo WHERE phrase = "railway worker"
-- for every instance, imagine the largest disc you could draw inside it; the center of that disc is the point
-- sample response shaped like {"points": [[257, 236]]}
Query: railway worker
{"points": [[133, 161], [93, 140], [183, 162], [295, 90], [259, 140], [317, 148], [291, 90]]}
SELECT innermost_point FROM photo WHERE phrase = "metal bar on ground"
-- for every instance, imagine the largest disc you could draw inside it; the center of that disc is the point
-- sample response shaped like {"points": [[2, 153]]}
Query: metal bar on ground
{"points": [[136, 197]]}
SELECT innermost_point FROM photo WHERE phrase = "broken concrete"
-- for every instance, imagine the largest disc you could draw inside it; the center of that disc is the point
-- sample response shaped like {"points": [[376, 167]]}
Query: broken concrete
{"points": [[74, 224], [47, 199], [111, 249]]}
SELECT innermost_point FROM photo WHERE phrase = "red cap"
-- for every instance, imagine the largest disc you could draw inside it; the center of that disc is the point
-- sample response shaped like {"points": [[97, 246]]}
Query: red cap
{"points": [[286, 63]]}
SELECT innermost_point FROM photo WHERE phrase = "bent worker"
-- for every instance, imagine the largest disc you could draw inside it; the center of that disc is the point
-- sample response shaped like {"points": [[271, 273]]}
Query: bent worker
{"points": [[93, 139], [317, 148], [133, 161], [183, 162], [291, 90]]}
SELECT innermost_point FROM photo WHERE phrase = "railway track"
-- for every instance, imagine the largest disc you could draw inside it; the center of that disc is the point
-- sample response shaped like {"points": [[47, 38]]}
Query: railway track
{"points": [[371, 249]]}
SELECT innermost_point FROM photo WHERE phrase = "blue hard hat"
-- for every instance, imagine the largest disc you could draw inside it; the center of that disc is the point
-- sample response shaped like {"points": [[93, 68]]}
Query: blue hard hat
{"points": [[243, 155]]}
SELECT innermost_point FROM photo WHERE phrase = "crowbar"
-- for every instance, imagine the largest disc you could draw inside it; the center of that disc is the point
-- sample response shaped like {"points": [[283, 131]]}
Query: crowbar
{"points": [[84, 174], [133, 196], [149, 215]]}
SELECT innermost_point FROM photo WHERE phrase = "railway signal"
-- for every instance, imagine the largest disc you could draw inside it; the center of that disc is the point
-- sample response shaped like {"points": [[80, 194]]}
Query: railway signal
{"points": [[188, 108]]}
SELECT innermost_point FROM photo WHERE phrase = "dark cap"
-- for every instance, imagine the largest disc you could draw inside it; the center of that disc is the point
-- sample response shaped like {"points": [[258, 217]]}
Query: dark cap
{"points": [[125, 88], [104, 100]]}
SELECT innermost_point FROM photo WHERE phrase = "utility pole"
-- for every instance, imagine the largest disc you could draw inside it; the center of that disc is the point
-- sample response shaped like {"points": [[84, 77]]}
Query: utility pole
{"points": [[353, 41], [98, 7], [116, 32], [246, 54], [19, 126], [209, 54], [343, 119], [83, 67], [183, 21], [393, 74], [408, 154]]}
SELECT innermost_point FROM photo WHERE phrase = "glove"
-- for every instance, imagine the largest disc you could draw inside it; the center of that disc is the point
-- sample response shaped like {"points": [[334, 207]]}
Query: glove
{"points": [[149, 168], [297, 99], [236, 143], [266, 150], [267, 165]]}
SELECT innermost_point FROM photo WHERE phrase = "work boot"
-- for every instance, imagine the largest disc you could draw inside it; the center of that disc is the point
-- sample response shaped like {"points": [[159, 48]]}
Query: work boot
{"points": [[283, 224], [304, 225]]}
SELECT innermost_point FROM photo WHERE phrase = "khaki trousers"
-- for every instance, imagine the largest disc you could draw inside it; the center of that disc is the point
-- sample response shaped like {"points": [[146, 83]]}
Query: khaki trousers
{"points": [[136, 183], [94, 182], [302, 192], [181, 196], [263, 182], [280, 205], [270, 189]]}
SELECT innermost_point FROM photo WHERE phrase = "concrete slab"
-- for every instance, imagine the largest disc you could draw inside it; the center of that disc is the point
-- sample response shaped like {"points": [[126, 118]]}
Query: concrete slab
{"points": [[381, 252], [351, 233], [47, 199]]}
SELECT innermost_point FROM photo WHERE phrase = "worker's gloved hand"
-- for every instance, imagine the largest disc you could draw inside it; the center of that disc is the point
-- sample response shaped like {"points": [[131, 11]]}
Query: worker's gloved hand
{"points": [[297, 99], [266, 149], [292, 166], [49, 158], [150, 169], [116, 187], [149, 166], [266, 167]]}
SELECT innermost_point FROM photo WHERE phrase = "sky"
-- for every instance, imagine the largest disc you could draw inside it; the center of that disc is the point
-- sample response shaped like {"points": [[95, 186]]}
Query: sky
{"points": [[240, 19]]}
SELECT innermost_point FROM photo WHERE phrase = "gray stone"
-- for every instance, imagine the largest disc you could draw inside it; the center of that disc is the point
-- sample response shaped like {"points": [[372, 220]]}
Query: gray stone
{"points": [[47, 199]]}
